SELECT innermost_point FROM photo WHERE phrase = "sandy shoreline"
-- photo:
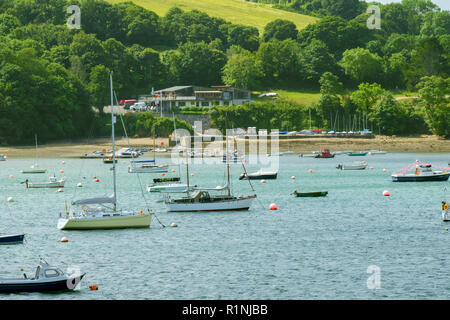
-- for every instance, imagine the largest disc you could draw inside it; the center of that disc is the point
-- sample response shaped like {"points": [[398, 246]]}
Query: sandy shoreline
{"points": [[420, 144]]}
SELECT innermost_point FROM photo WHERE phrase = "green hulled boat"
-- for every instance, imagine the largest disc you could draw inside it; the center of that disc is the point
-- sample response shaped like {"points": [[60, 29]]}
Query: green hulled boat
{"points": [[356, 154], [311, 194]]}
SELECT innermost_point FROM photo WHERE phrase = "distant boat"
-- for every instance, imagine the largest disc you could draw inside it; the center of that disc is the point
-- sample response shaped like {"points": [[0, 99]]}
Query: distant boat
{"points": [[358, 154], [422, 172], [376, 152], [93, 155], [279, 154], [325, 153], [259, 175], [34, 168], [310, 194], [343, 152], [162, 180], [171, 188], [146, 166], [109, 160], [12, 239], [309, 155], [355, 166], [47, 278], [2, 157], [52, 183]]}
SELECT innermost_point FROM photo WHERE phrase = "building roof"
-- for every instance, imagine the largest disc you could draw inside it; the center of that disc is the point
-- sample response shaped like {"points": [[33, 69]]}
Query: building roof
{"points": [[175, 88]]}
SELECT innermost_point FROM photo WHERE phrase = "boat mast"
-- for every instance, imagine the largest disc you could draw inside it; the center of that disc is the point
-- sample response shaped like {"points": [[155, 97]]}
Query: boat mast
{"points": [[35, 157], [113, 119], [227, 155]]}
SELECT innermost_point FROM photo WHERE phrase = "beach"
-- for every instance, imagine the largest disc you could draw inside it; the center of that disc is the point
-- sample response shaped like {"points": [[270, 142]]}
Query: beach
{"points": [[65, 149]]}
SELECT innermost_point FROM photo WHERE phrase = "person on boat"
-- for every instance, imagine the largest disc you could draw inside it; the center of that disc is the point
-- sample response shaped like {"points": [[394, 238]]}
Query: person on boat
{"points": [[444, 205], [26, 183], [417, 171]]}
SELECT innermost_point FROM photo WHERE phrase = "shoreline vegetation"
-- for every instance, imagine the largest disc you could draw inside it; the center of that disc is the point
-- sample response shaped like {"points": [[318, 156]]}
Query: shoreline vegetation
{"points": [[72, 149]]}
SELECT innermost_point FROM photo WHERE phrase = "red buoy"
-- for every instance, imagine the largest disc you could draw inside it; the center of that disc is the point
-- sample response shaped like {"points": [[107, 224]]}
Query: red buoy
{"points": [[273, 206], [386, 193]]}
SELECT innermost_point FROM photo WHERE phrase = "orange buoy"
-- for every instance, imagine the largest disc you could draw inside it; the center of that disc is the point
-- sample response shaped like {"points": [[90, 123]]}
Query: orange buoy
{"points": [[371, 168], [93, 287], [64, 239], [192, 174], [62, 171], [310, 171], [263, 181], [384, 170], [173, 170], [273, 206], [386, 193]]}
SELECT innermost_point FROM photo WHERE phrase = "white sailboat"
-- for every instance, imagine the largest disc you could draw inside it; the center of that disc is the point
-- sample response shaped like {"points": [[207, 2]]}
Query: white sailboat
{"points": [[96, 214], [201, 199], [35, 168]]}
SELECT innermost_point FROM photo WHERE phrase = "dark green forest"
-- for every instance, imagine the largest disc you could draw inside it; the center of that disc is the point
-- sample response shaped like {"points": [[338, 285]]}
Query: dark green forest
{"points": [[52, 78]]}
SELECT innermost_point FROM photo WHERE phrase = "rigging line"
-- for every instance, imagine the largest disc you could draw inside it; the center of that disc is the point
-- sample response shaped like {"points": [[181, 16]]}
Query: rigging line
{"points": [[137, 174]]}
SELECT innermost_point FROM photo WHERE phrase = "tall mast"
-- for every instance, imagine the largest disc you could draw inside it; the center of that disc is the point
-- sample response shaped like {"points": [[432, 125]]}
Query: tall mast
{"points": [[154, 145], [113, 120], [227, 155], [35, 157]]}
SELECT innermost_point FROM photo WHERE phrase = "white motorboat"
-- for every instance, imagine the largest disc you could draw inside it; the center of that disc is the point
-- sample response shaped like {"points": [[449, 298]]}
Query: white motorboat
{"points": [[313, 154], [96, 214], [422, 172], [374, 152], [93, 155], [127, 153], [280, 154], [357, 165], [52, 183], [47, 278]]}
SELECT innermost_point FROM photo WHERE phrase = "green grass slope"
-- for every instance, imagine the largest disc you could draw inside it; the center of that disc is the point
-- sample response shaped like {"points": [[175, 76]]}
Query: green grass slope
{"points": [[235, 11]]}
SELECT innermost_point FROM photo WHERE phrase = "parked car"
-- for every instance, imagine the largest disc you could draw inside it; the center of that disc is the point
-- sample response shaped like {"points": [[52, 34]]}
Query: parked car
{"points": [[139, 106], [127, 103]]}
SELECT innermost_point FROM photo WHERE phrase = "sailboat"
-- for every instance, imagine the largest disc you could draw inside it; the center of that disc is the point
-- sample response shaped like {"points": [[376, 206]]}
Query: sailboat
{"points": [[201, 199], [34, 168], [148, 166], [95, 213]]}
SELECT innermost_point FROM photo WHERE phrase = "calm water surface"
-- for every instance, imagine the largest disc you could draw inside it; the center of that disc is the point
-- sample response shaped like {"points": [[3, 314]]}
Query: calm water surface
{"points": [[311, 248]]}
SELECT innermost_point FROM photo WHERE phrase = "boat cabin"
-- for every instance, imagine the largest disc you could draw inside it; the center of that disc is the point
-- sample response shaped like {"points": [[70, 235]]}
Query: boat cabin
{"points": [[44, 270]]}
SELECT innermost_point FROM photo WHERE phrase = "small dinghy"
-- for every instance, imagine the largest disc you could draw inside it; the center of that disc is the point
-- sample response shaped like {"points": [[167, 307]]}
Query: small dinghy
{"points": [[47, 278], [52, 183], [259, 175], [12, 239], [355, 166], [310, 194]]}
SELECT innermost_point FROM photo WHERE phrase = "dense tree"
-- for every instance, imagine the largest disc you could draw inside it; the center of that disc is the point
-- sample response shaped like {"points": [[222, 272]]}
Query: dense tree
{"points": [[433, 95], [242, 70], [316, 59], [279, 29], [362, 65], [244, 36]]}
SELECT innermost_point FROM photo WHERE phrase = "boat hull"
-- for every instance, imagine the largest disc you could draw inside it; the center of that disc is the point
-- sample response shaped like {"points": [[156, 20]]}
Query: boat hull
{"points": [[357, 154], [12, 239], [267, 176], [227, 205], [112, 222], [59, 184], [310, 194], [446, 215], [35, 171], [421, 178], [147, 170], [36, 286]]}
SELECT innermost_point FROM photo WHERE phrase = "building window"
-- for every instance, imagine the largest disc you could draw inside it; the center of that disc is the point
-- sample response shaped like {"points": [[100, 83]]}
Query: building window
{"points": [[205, 104], [181, 103]]}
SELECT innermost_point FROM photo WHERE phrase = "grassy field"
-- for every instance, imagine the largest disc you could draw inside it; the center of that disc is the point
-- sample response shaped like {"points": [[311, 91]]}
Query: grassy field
{"points": [[301, 97], [235, 11]]}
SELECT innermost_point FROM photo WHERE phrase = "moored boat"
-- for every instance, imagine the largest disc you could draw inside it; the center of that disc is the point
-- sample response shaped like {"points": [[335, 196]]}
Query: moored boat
{"points": [[95, 213], [2, 157], [47, 278], [325, 153], [173, 187], [310, 194], [422, 172], [357, 165], [357, 154], [261, 174], [12, 239], [52, 183], [147, 166]]}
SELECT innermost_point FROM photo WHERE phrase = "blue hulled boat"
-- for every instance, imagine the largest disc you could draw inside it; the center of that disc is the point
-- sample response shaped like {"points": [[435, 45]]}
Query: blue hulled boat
{"points": [[12, 239]]}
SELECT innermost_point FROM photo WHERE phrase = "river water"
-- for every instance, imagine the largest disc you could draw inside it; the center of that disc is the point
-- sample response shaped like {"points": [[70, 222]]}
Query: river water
{"points": [[352, 244]]}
